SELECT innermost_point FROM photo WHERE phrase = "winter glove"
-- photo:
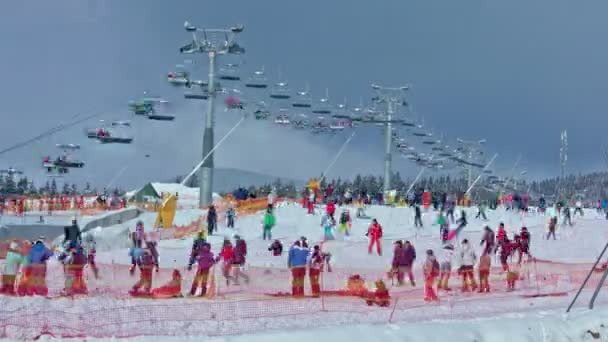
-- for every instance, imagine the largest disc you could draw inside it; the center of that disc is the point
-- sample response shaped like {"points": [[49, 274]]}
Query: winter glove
{"points": [[156, 268], [189, 267]]}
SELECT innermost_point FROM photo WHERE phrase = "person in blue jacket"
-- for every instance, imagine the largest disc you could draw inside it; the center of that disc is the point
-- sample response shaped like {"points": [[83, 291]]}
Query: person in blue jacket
{"points": [[296, 261], [37, 259]]}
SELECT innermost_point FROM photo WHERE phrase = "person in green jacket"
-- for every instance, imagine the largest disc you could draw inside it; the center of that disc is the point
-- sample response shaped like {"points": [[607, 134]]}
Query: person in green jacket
{"points": [[269, 222], [11, 267]]}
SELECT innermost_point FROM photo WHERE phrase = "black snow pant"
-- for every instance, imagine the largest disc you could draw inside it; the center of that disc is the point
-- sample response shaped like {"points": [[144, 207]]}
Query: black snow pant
{"points": [[230, 222], [211, 226], [551, 232], [418, 221], [578, 210]]}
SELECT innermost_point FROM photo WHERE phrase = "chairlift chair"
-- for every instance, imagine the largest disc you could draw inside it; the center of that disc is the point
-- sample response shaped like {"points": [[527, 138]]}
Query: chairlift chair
{"points": [[229, 72], [257, 80]]}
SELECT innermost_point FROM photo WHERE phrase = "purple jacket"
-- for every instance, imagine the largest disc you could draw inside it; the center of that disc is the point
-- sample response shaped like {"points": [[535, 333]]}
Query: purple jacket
{"points": [[240, 251], [404, 257], [205, 259]]}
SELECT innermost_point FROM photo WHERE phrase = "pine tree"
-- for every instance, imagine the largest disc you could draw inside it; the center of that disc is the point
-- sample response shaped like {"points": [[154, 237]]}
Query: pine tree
{"points": [[66, 189], [32, 189], [22, 185], [10, 185], [53, 189], [87, 189], [74, 189]]}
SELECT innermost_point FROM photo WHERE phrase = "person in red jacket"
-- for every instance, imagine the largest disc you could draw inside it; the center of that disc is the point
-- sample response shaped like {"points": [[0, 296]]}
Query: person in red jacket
{"points": [[315, 264], [227, 254], [502, 233], [524, 246], [506, 248], [374, 232], [238, 260], [331, 209]]}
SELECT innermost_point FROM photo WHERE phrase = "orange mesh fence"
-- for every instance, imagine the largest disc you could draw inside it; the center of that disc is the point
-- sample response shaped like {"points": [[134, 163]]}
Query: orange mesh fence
{"points": [[265, 302]]}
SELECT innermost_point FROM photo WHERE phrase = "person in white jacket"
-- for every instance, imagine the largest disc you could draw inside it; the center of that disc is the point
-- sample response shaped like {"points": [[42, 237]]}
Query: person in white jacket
{"points": [[445, 266], [467, 265]]}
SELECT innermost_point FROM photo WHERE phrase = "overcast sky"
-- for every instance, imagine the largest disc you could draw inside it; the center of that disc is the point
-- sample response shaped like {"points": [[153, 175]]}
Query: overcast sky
{"points": [[515, 72]]}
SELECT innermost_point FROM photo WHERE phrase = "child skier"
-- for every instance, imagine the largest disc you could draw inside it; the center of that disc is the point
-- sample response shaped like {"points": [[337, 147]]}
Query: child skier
{"points": [[269, 222], [443, 227], [524, 247], [445, 267], [487, 240], [11, 268], [226, 254], [172, 289], [296, 261], [90, 250], [327, 224], [145, 261], [502, 233], [37, 258], [417, 217], [238, 260], [431, 271], [74, 267], [345, 223], [506, 248], [485, 263], [552, 227], [315, 264], [276, 248], [205, 260], [374, 232]]}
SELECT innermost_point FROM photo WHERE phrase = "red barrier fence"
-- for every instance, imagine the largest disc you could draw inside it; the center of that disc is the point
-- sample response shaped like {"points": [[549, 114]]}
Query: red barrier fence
{"points": [[108, 310]]}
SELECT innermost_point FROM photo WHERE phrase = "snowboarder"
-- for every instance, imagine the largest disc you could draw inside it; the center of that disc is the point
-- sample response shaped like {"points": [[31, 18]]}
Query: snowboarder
{"points": [[205, 260], [211, 220], [345, 222], [488, 240], [269, 222], [431, 271], [238, 260], [485, 263], [315, 264], [374, 232], [230, 215], [11, 267], [467, 263], [296, 261], [276, 248], [417, 217], [445, 267]]}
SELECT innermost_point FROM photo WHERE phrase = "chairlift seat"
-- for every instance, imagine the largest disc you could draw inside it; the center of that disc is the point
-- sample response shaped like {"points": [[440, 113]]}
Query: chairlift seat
{"points": [[256, 85], [161, 117]]}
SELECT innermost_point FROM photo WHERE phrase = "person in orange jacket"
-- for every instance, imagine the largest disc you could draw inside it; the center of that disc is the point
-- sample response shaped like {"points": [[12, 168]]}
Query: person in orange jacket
{"points": [[374, 232], [172, 289]]}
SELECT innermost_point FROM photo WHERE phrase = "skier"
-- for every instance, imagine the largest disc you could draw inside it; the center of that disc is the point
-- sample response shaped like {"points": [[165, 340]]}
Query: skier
{"points": [[311, 202], [330, 208], [327, 223], [269, 222], [239, 258], [485, 263], [502, 233], [25, 273], [145, 261], [506, 248], [403, 262], [445, 267], [450, 211], [72, 233], [197, 245], [488, 240], [525, 243], [205, 260], [37, 258], [230, 215], [431, 271], [226, 254], [90, 250], [211, 220], [467, 262], [276, 248], [296, 261], [443, 227], [567, 216], [417, 217], [374, 232], [552, 227], [481, 211], [74, 267], [11, 268], [462, 222], [579, 208], [315, 264], [345, 222]]}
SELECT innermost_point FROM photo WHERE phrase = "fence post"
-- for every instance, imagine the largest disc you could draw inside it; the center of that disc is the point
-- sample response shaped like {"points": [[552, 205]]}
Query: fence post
{"points": [[587, 278], [322, 289]]}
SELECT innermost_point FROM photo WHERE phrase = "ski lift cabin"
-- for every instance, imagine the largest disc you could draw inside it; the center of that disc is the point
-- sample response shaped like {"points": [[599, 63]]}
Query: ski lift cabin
{"points": [[229, 72], [280, 91], [257, 80], [302, 100], [323, 107], [162, 112]]}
